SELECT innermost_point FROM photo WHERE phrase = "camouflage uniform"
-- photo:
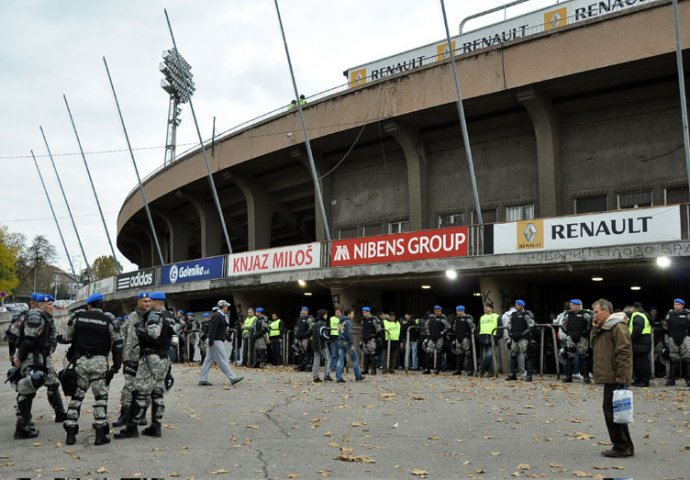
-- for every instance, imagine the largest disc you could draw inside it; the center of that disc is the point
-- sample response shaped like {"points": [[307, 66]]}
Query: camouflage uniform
{"points": [[154, 332], [36, 344], [436, 328], [519, 329], [302, 344], [130, 355], [92, 335], [260, 340]]}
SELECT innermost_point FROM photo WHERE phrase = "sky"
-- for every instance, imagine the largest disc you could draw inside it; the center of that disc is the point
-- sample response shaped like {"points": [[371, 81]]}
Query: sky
{"points": [[49, 48]]}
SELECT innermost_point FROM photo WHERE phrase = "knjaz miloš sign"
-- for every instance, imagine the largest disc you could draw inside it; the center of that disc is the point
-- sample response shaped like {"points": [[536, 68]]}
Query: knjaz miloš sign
{"points": [[140, 279]]}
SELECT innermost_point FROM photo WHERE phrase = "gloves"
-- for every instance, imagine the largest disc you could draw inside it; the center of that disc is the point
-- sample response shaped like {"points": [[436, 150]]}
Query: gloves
{"points": [[169, 380], [109, 374]]}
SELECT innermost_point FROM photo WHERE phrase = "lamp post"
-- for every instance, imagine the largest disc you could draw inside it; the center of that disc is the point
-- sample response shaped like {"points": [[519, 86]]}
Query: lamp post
{"points": [[179, 85]]}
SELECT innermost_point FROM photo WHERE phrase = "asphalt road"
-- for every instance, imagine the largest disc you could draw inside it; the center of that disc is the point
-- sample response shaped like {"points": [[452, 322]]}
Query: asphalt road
{"points": [[278, 424]]}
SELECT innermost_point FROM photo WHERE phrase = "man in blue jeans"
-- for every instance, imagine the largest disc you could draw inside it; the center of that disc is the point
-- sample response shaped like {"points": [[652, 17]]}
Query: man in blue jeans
{"points": [[346, 344]]}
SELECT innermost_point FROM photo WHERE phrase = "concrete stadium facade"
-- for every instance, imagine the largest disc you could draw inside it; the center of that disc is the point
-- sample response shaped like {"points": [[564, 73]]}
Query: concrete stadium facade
{"points": [[582, 119]]}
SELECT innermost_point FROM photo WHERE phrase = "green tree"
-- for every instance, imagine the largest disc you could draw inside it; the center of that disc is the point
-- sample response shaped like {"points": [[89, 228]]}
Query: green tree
{"points": [[8, 262], [38, 255], [105, 266]]}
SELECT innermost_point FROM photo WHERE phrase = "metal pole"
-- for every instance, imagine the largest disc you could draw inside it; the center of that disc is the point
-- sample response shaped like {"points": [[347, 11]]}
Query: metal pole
{"points": [[69, 210], [213, 137], [57, 224], [131, 154], [681, 86], [203, 152], [88, 172], [312, 165], [461, 115]]}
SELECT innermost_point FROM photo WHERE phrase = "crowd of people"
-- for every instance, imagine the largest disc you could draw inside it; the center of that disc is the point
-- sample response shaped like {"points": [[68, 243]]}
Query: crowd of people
{"points": [[145, 344]]}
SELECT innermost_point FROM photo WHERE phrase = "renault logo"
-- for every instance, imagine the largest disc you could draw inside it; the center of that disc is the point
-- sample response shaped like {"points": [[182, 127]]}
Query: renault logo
{"points": [[530, 232]]}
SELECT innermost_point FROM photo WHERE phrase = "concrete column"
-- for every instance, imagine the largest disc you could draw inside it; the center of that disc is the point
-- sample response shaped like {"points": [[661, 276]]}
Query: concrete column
{"points": [[210, 228], [179, 238], [417, 167], [259, 213], [546, 130]]}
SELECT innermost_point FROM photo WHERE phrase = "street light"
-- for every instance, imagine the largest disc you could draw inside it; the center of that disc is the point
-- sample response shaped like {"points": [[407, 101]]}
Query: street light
{"points": [[451, 274], [663, 262], [179, 85]]}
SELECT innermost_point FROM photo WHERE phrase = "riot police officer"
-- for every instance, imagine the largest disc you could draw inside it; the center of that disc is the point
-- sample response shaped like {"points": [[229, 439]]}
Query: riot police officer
{"points": [[36, 344], [677, 327], [130, 356], [371, 339], [93, 336], [191, 328], [260, 341], [302, 345], [154, 331], [436, 327], [463, 328], [577, 325], [519, 330]]}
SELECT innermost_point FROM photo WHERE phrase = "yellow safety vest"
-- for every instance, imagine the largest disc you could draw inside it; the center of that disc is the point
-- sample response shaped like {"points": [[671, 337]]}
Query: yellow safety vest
{"points": [[248, 323], [647, 329], [274, 328], [393, 330], [335, 321], [488, 323]]}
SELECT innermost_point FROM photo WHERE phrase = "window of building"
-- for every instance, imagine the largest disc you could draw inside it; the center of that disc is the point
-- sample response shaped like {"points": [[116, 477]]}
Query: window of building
{"points": [[400, 226], [347, 232], [488, 216], [450, 219], [519, 212], [592, 203], [640, 198], [674, 195], [371, 229]]}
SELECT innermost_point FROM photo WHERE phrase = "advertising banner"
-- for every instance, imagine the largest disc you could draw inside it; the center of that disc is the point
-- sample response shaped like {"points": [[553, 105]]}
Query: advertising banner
{"points": [[140, 279], [83, 293], [404, 247], [204, 269], [621, 227], [293, 257], [107, 285]]}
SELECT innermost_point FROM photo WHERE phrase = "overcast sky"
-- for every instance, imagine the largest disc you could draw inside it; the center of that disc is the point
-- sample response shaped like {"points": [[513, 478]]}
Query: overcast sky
{"points": [[49, 48]]}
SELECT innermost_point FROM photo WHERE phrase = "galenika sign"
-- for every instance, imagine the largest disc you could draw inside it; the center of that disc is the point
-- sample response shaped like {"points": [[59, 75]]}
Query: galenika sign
{"points": [[294, 257], [404, 247]]}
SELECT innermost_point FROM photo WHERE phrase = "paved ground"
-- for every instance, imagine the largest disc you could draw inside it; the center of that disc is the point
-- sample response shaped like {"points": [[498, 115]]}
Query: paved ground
{"points": [[277, 424]]}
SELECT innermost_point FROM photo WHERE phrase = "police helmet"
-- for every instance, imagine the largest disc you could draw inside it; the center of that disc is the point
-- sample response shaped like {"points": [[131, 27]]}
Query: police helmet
{"points": [[12, 376], [31, 382]]}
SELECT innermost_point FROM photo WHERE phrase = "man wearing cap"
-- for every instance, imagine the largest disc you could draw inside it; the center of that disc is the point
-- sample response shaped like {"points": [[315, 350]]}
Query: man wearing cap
{"points": [[216, 347], [371, 331], [641, 335], [260, 340], [93, 337], [130, 356], [302, 345], [437, 326], [577, 325], [463, 327], [37, 342], [677, 327], [520, 329], [154, 332]]}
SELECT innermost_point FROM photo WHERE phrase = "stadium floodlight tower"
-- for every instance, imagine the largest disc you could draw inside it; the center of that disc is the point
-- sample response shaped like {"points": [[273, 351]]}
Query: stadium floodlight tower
{"points": [[180, 86]]}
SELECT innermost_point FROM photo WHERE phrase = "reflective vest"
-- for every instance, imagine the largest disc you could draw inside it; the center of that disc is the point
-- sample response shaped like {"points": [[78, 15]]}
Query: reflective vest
{"points": [[335, 321], [488, 323], [393, 330], [248, 323], [647, 329], [274, 330]]}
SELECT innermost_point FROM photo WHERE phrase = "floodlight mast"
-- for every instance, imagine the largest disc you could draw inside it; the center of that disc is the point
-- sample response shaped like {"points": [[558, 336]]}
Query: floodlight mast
{"points": [[179, 85]]}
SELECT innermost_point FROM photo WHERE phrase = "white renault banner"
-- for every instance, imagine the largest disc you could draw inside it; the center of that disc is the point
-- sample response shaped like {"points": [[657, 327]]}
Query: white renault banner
{"points": [[621, 227], [294, 257]]}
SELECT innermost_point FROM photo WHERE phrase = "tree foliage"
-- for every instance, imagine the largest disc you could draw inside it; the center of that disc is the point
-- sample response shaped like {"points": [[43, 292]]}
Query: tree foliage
{"points": [[105, 266], [8, 262]]}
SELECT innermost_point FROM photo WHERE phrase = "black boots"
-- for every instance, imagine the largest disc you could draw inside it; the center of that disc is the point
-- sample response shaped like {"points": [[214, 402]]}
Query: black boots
{"points": [[124, 415], [672, 372], [55, 401], [528, 368], [686, 368], [130, 431], [102, 432], [25, 428], [568, 377], [71, 430], [153, 430]]}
